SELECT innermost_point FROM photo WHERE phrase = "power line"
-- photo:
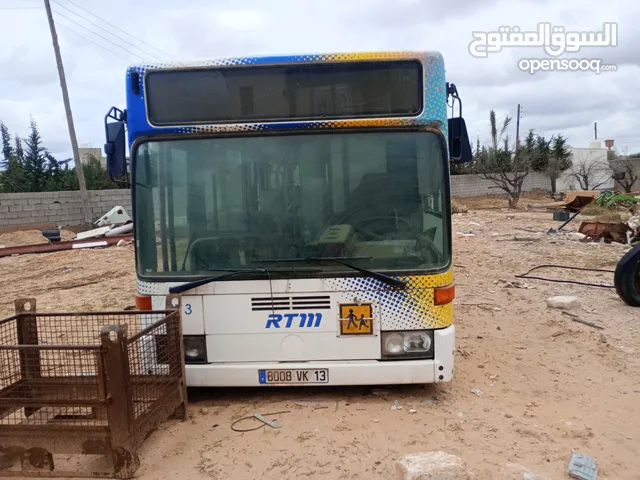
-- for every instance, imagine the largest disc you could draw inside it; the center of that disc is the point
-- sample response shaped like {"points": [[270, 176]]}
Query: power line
{"points": [[89, 40], [119, 29], [104, 29], [97, 34]]}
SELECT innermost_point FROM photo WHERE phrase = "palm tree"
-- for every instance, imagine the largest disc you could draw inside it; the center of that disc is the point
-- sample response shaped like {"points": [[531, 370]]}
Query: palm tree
{"points": [[495, 137]]}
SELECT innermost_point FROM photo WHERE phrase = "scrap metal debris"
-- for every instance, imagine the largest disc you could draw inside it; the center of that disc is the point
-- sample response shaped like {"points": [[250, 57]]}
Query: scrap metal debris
{"points": [[261, 418], [575, 318], [583, 467], [115, 227], [115, 222], [116, 216], [271, 423], [53, 235], [59, 246], [608, 232], [610, 200], [577, 200]]}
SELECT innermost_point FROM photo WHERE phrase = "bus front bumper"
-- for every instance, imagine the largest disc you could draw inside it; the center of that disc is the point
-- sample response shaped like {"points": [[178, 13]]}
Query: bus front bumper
{"points": [[360, 372]]}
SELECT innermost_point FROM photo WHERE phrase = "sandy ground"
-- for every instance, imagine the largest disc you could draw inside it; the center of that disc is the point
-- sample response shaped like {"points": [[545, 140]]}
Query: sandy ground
{"points": [[548, 384]]}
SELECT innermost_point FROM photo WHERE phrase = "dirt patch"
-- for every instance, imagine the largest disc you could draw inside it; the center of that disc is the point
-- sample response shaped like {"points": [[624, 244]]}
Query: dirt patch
{"points": [[71, 280], [602, 214], [30, 237], [499, 201]]}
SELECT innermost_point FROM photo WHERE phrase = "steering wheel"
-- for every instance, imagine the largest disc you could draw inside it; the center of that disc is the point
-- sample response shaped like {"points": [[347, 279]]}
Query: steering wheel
{"points": [[397, 220]]}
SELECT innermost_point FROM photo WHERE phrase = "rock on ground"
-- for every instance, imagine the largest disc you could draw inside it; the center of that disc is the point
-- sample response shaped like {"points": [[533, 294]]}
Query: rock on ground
{"points": [[432, 466], [563, 302]]}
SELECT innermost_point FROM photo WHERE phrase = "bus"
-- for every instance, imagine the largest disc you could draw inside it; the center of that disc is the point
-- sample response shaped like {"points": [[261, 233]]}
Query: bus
{"points": [[301, 207]]}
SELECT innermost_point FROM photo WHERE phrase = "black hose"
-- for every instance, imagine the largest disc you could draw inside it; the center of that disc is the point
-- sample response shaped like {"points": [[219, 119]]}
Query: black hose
{"points": [[526, 275]]}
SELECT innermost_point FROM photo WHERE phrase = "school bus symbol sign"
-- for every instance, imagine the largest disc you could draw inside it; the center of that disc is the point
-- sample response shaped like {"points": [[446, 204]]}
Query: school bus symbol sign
{"points": [[356, 319]]}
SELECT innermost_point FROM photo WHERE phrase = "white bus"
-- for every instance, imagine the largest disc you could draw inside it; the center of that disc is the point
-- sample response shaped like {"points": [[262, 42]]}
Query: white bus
{"points": [[301, 207]]}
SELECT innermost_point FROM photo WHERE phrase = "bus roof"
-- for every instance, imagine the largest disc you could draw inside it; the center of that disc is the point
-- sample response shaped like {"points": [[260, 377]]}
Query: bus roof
{"points": [[432, 108], [424, 56]]}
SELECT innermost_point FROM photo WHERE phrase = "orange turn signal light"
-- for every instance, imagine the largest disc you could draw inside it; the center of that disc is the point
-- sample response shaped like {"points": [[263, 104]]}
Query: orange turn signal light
{"points": [[143, 302], [444, 295]]}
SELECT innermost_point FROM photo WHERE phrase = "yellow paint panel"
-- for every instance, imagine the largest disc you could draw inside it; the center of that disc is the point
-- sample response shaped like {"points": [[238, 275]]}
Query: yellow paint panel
{"points": [[356, 319]]}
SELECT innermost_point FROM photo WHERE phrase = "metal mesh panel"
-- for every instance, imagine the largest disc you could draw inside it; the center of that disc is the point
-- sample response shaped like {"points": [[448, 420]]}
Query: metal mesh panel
{"points": [[87, 383], [51, 366], [154, 362]]}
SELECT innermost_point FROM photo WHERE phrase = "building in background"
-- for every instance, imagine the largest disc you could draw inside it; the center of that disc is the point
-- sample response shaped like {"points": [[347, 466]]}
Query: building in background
{"points": [[86, 151], [590, 169]]}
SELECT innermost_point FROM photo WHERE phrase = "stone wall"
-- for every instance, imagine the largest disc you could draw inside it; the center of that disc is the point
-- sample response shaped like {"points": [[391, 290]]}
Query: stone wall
{"points": [[54, 209], [475, 185]]}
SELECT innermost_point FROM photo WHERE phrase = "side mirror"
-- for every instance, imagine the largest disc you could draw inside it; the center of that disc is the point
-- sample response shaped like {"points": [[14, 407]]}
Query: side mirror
{"points": [[459, 145], [115, 148]]}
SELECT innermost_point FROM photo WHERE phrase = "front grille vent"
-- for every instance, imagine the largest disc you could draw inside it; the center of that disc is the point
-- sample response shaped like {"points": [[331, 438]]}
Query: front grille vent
{"points": [[278, 304]]}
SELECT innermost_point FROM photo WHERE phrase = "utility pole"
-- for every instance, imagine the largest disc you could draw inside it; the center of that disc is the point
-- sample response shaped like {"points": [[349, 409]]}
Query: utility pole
{"points": [[518, 131], [595, 130], [86, 210]]}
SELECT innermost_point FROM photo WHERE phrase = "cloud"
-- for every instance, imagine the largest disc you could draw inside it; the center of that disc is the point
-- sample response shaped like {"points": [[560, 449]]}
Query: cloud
{"points": [[553, 102]]}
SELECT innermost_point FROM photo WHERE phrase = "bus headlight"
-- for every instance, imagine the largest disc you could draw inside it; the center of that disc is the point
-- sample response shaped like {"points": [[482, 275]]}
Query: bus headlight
{"points": [[407, 345], [416, 342], [195, 349], [392, 344]]}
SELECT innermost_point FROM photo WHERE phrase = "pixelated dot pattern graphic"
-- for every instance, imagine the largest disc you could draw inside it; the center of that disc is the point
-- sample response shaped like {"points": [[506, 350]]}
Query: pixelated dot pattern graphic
{"points": [[412, 308], [434, 111]]}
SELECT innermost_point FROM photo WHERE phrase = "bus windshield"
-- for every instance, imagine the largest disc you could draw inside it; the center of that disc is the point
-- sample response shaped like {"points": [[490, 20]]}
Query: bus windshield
{"points": [[379, 199]]}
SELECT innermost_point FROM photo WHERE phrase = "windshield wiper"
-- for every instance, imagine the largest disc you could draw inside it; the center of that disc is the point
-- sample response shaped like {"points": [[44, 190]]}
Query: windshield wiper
{"points": [[229, 273], [341, 260], [203, 281]]}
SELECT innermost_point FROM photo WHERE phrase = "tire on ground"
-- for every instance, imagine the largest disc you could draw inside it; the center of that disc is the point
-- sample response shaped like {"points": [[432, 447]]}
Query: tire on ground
{"points": [[627, 277]]}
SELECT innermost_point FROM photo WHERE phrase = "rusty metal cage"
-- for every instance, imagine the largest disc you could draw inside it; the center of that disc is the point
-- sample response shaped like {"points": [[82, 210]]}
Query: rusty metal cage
{"points": [[87, 383]]}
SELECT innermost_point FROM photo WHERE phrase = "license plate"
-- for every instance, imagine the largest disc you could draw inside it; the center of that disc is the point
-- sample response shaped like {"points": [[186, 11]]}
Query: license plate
{"points": [[312, 375]]}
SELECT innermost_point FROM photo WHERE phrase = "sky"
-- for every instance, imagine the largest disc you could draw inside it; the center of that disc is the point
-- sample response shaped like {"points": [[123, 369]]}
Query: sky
{"points": [[95, 59]]}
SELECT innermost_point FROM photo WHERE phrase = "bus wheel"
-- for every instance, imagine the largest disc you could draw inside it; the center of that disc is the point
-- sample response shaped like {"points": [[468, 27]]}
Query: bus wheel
{"points": [[627, 277]]}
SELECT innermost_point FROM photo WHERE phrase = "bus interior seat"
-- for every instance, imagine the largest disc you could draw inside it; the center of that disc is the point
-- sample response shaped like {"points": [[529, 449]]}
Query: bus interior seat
{"points": [[379, 194]]}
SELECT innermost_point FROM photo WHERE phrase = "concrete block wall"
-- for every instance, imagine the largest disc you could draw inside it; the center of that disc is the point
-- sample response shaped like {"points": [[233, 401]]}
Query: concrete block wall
{"points": [[475, 185], [53, 209]]}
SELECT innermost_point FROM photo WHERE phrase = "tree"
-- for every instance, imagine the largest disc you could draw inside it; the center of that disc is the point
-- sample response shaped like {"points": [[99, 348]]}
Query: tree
{"points": [[19, 149], [96, 175], [12, 177], [500, 165], [626, 172], [541, 154], [591, 173], [59, 177], [559, 160], [7, 148], [35, 160]]}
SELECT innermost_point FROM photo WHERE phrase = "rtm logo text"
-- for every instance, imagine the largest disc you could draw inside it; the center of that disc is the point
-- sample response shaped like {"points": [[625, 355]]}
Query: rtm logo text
{"points": [[302, 320]]}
